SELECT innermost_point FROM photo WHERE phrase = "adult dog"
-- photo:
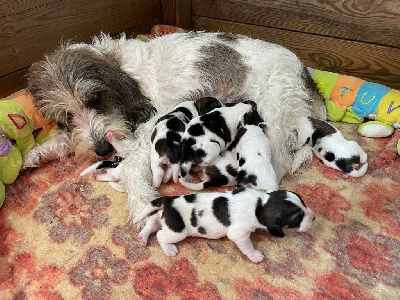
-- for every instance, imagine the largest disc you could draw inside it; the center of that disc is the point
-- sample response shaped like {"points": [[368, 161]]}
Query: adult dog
{"points": [[117, 84]]}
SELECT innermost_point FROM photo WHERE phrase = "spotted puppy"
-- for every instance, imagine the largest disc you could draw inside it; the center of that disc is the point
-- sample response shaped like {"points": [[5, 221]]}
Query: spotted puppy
{"points": [[254, 157], [233, 214], [221, 172], [330, 146], [209, 135], [166, 138], [110, 169]]}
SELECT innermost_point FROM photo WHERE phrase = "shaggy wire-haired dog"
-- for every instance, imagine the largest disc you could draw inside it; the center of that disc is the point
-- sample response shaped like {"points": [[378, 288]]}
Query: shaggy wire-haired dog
{"points": [[118, 84]]}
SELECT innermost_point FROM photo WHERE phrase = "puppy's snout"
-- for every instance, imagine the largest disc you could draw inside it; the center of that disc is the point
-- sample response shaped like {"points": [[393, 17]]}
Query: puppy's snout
{"points": [[103, 148]]}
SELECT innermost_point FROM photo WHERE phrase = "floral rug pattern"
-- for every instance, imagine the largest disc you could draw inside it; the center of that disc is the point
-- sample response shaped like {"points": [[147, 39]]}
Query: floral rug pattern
{"points": [[68, 237]]}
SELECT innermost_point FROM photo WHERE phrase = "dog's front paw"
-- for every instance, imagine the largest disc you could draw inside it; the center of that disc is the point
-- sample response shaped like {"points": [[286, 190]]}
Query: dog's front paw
{"points": [[31, 160], [256, 256]]}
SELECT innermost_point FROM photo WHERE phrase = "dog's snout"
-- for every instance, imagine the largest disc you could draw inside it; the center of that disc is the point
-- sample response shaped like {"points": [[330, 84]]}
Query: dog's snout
{"points": [[103, 148]]}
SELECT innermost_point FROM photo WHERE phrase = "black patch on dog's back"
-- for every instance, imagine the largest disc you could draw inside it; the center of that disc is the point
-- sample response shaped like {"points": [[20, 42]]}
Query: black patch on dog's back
{"points": [[231, 170], [217, 179], [207, 104], [196, 130], [329, 156], [171, 215], [241, 131], [191, 198], [189, 154], [193, 218], [220, 209], [215, 122], [201, 230], [243, 179], [239, 190], [165, 117], [242, 160], [176, 125]]}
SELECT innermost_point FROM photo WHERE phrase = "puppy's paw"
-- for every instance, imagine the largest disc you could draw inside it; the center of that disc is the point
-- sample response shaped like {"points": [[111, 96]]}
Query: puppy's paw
{"points": [[142, 240], [110, 136], [170, 249], [256, 256]]}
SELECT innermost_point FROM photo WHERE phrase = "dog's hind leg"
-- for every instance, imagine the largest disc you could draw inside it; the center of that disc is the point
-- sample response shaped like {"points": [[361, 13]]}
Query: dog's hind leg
{"points": [[153, 224], [167, 240]]}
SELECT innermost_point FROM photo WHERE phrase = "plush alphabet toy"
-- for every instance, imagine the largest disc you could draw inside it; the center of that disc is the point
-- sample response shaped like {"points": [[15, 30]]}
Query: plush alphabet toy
{"points": [[19, 118], [350, 99]]}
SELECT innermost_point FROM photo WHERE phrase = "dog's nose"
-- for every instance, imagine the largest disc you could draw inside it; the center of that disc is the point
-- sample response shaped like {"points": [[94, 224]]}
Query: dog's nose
{"points": [[103, 148]]}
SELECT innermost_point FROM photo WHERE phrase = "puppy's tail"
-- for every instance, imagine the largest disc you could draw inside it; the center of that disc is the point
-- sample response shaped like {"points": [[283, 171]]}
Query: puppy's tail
{"points": [[360, 172], [154, 205], [193, 186]]}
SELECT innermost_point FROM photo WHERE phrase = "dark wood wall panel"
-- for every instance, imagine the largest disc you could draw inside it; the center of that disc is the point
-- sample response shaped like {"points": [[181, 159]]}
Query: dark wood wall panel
{"points": [[30, 28], [368, 61], [26, 35], [373, 21]]}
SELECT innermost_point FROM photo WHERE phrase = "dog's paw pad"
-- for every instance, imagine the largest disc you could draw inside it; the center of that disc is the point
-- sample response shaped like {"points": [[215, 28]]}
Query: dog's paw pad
{"points": [[256, 256], [142, 240], [170, 250]]}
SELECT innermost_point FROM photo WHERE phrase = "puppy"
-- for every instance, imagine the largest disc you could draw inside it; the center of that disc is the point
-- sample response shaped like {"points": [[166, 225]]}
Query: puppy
{"points": [[330, 146], [112, 172], [221, 172], [167, 134], [213, 215], [254, 157], [209, 135]]}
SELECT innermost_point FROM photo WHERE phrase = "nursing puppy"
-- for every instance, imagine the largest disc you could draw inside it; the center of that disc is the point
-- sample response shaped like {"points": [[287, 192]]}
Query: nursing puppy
{"points": [[211, 134], [213, 215], [166, 149], [254, 157], [221, 172], [330, 146], [112, 168]]}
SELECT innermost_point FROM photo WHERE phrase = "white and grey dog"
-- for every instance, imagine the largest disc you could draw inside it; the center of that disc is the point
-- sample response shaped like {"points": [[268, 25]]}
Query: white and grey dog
{"points": [[213, 215], [117, 84]]}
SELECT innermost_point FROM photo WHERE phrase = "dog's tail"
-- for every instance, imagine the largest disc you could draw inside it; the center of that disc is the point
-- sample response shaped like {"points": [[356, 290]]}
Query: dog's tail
{"points": [[154, 205], [193, 186], [360, 172]]}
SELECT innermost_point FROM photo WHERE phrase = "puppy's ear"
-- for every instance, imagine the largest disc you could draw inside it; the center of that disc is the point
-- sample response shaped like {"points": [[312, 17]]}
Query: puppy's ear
{"points": [[207, 104], [275, 228]]}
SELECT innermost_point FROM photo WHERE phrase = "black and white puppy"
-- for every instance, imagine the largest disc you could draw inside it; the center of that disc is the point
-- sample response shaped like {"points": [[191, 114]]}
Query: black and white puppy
{"points": [[254, 156], [209, 135], [233, 214], [166, 150], [221, 172], [330, 146]]}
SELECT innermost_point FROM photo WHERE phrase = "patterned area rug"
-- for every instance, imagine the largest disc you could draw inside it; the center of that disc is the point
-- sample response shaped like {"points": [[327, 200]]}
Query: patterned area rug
{"points": [[68, 237]]}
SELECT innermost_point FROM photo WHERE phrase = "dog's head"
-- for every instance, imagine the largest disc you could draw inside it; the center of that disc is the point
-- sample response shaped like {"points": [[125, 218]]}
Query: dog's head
{"points": [[83, 88], [284, 209], [207, 104]]}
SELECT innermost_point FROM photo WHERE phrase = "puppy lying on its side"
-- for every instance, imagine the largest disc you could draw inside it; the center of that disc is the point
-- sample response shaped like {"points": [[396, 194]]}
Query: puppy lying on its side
{"points": [[213, 215], [330, 146], [112, 167], [222, 171], [209, 135], [166, 138], [254, 156]]}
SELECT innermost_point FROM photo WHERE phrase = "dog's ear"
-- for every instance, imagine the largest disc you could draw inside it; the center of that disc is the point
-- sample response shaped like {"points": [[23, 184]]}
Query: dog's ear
{"points": [[274, 227], [207, 104]]}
